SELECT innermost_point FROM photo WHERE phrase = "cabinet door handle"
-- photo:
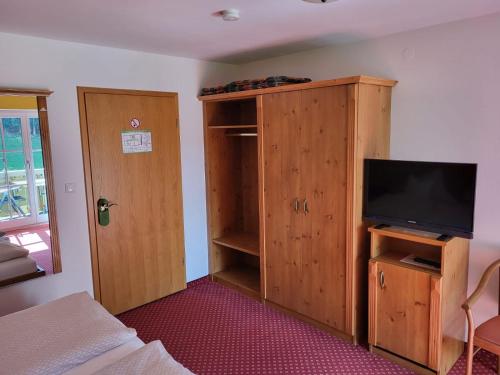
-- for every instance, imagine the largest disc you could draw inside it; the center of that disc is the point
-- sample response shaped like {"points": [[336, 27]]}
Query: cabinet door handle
{"points": [[296, 205], [381, 279], [306, 207]]}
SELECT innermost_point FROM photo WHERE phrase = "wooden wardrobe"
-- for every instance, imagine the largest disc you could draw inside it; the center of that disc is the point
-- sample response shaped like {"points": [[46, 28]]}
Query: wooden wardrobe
{"points": [[284, 194]]}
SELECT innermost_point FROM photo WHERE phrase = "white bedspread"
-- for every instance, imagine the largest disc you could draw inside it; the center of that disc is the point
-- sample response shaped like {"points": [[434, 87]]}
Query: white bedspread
{"points": [[57, 336], [151, 359], [103, 360]]}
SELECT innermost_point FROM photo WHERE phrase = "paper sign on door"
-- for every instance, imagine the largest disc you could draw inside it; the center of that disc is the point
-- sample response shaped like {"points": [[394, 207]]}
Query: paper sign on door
{"points": [[135, 141]]}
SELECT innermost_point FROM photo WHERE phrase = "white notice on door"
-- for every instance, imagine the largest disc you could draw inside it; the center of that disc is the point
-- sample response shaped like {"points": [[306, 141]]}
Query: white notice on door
{"points": [[136, 141]]}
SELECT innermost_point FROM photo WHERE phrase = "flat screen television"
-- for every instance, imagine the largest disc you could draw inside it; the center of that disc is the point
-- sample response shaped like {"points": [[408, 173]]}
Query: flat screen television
{"points": [[431, 196]]}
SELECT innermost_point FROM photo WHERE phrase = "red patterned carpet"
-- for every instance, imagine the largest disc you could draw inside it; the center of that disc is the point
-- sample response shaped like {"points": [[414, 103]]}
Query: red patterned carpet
{"points": [[211, 329]]}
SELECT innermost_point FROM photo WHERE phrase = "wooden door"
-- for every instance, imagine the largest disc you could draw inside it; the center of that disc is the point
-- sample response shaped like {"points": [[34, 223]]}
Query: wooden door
{"points": [[282, 191], [139, 256], [323, 155], [401, 310]]}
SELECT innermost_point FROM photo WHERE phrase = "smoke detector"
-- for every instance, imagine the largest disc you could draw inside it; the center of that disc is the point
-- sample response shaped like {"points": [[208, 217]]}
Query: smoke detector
{"points": [[319, 1], [230, 14]]}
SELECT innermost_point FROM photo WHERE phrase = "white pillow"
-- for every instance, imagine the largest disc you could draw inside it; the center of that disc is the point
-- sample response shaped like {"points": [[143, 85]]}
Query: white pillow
{"points": [[10, 251]]}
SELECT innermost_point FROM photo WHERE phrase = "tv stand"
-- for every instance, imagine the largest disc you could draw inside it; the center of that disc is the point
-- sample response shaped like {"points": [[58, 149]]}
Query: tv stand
{"points": [[415, 314], [444, 237]]}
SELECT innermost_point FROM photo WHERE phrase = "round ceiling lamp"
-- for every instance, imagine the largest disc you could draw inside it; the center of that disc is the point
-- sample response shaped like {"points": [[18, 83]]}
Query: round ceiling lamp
{"points": [[320, 1], [230, 14]]}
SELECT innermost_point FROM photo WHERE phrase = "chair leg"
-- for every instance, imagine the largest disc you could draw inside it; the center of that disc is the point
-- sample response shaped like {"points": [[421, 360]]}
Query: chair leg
{"points": [[470, 357]]}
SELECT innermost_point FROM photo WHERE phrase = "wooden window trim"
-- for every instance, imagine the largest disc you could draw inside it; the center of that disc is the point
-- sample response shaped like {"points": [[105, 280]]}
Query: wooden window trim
{"points": [[41, 99], [25, 92], [49, 182]]}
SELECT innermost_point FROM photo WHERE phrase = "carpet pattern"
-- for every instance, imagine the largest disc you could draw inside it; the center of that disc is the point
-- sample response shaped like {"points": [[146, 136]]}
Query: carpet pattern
{"points": [[211, 329]]}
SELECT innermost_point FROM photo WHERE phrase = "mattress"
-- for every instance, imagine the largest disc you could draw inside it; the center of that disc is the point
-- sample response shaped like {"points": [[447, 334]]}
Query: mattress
{"points": [[75, 335], [17, 267], [58, 336], [111, 356]]}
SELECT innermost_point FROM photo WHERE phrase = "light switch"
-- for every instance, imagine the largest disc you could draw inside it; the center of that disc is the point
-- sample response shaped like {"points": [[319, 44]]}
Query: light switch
{"points": [[69, 187]]}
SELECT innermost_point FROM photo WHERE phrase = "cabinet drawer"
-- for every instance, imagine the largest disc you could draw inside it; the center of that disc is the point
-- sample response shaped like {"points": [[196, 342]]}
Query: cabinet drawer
{"points": [[404, 311]]}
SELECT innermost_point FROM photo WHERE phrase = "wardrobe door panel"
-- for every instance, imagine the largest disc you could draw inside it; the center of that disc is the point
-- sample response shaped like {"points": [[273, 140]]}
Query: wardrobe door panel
{"points": [[282, 176], [323, 162]]}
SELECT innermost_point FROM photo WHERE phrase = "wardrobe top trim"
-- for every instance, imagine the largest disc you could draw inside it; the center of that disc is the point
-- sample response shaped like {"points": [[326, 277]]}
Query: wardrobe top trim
{"points": [[301, 86]]}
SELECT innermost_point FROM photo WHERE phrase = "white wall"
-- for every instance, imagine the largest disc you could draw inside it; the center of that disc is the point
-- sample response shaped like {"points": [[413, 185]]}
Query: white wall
{"points": [[60, 66], [446, 107]]}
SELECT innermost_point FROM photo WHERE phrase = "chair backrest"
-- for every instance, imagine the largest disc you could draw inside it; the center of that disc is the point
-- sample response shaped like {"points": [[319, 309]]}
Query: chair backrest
{"points": [[482, 284]]}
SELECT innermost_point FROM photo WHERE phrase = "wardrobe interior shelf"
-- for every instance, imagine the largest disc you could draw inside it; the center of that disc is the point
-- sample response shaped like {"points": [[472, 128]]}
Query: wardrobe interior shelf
{"points": [[395, 257], [241, 276], [245, 242], [232, 127], [241, 134]]}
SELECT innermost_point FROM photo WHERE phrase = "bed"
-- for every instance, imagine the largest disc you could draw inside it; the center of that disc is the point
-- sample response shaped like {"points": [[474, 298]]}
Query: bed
{"points": [[16, 264], [75, 335]]}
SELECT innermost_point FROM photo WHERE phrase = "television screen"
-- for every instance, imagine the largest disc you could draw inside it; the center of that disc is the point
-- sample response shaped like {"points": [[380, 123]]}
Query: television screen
{"points": [[437, 197]]}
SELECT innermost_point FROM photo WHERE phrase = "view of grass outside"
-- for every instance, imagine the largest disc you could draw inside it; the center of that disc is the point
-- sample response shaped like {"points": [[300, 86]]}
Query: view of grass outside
{"points": [[14, 193]]}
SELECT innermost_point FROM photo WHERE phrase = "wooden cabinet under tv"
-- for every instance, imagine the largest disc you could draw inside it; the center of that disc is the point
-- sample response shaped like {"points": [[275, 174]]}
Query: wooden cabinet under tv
{"points": [[415, 314]]}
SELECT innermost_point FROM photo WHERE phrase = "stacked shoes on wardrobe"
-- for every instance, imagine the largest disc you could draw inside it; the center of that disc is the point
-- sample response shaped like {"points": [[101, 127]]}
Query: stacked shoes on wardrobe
{"points": [[253, 84]]}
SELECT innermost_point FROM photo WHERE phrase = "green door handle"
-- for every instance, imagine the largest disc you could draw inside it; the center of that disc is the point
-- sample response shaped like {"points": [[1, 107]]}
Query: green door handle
{"points": [[103, 206]]}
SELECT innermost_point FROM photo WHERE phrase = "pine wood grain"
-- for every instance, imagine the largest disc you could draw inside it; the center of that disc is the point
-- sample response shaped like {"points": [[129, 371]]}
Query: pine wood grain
{"points": [[443, 289], [233, 192], [435, 321], [260, 168], [140, 255], [25, 92], [301, 86], [403, 308], [372, 302], [323, 173], [242, 277], [372, 140], [455, 270], [49, 183], [246, 242], [311, 142], [232, 113], [282, 187]]}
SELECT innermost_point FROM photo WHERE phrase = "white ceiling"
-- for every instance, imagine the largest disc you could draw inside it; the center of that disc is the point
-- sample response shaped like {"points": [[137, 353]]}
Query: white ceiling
{"points": [[189, 28]]}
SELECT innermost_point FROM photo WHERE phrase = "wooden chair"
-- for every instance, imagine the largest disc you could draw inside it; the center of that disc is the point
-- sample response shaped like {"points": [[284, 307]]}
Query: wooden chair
{"points": [[487, 335]]}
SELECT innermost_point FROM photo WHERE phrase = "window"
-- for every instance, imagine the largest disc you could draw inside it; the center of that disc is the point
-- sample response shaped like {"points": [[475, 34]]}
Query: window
{"points": [[23, 197]]}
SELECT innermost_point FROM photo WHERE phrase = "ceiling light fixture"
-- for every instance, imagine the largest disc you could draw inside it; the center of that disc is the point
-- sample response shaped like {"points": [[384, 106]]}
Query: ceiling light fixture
{"points": [[230, 14]]}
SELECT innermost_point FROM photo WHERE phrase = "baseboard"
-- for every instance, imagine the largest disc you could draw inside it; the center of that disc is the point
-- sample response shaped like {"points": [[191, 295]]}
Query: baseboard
{"points": [[335, 332], [246, 291], [196, 282], [410, 365]]}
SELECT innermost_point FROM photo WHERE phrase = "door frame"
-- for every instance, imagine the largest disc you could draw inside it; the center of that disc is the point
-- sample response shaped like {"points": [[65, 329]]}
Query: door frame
{"points": [[87, 169]]}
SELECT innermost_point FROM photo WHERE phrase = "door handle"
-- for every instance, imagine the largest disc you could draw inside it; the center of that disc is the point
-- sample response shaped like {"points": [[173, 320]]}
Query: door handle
{"points": [[306, 207], [296, 205], [103, 206], [381, 279]]}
